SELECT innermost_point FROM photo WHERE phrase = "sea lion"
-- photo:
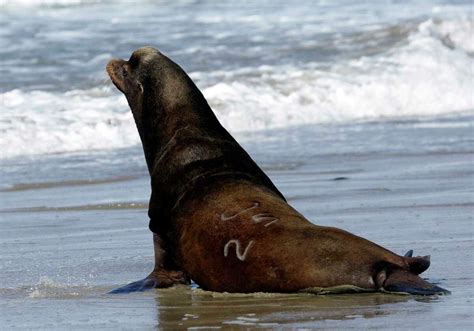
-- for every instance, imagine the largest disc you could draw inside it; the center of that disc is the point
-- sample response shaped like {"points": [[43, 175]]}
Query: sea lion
{"points": [[219, 220]]}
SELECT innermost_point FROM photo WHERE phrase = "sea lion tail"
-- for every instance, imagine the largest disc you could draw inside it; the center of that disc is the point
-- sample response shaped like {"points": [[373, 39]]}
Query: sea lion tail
{"points": [[405, 281]]}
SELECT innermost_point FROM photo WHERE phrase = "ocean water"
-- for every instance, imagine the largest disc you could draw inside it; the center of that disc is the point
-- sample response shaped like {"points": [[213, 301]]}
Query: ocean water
{"points": [[379, 93], [261, 65]]}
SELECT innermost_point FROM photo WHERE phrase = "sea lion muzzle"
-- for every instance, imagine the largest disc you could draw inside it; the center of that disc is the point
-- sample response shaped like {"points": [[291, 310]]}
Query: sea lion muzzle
{"points": [[118, 73]]}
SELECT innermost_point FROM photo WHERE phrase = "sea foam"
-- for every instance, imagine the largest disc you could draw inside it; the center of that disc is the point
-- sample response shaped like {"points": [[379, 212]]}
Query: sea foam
{"points": [[39, 122], [425, 75]]}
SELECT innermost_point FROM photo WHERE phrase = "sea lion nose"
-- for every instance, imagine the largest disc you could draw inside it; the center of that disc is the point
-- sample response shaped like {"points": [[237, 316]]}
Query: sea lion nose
{"points": [[114, 69], [113, 65]]}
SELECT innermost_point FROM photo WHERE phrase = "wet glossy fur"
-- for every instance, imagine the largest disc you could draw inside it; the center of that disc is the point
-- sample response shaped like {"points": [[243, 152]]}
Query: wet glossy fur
{"points": [[218, 219]]}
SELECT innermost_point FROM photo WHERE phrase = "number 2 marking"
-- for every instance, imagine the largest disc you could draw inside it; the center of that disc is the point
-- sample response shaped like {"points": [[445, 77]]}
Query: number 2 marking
{"points": [[241, 256]]}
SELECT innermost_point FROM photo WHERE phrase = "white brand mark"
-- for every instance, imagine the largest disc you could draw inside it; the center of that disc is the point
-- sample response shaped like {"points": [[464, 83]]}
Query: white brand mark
{"points": [[227, 218], [241, 256]]}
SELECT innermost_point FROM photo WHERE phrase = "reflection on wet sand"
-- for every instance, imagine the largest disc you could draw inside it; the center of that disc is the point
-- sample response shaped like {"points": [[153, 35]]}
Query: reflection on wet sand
{"points": [[183, 307]]}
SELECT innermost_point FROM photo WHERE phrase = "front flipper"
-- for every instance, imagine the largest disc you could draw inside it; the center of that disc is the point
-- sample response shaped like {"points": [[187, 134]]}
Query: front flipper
{"points": [[403, 281], [157, 279], [165, 274]]}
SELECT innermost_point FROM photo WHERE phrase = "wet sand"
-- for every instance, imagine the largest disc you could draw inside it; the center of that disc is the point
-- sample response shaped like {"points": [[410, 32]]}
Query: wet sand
{"points": [[63, 247]]}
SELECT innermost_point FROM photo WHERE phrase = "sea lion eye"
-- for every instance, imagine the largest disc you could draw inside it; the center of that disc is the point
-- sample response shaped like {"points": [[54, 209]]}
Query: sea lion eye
{"points": [[124, 72]]}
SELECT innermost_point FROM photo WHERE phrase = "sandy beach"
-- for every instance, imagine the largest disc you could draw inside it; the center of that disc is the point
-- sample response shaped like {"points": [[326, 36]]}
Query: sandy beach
{"points": [[64, 246]]}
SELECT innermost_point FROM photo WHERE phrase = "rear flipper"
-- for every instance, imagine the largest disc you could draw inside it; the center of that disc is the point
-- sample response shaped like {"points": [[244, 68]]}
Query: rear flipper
{"points": [[417, 264], [404, 281]]}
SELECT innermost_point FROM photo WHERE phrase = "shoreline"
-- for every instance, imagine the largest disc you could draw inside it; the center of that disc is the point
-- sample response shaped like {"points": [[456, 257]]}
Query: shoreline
{"points": [[72, 244]]}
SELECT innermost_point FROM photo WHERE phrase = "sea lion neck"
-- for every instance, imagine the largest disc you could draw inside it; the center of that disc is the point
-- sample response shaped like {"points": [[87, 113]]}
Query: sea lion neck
{"points": [[171, 102]]}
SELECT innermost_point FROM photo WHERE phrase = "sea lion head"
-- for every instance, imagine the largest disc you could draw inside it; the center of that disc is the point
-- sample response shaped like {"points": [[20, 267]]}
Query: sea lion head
{"points": [[126, 74], [153, 84], [162, 98]]}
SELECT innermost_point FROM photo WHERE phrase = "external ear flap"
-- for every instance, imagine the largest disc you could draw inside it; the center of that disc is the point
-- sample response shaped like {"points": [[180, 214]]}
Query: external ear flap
{"points": [[141, 86]]}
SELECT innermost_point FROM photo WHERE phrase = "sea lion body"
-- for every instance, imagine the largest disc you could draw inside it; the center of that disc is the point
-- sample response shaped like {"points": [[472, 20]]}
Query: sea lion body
{"points": [[219, 220], [239, 237]]}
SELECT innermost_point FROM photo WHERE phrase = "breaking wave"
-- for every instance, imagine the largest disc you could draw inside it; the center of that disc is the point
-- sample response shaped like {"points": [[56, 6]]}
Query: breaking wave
{"points": [[425, 75]]}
